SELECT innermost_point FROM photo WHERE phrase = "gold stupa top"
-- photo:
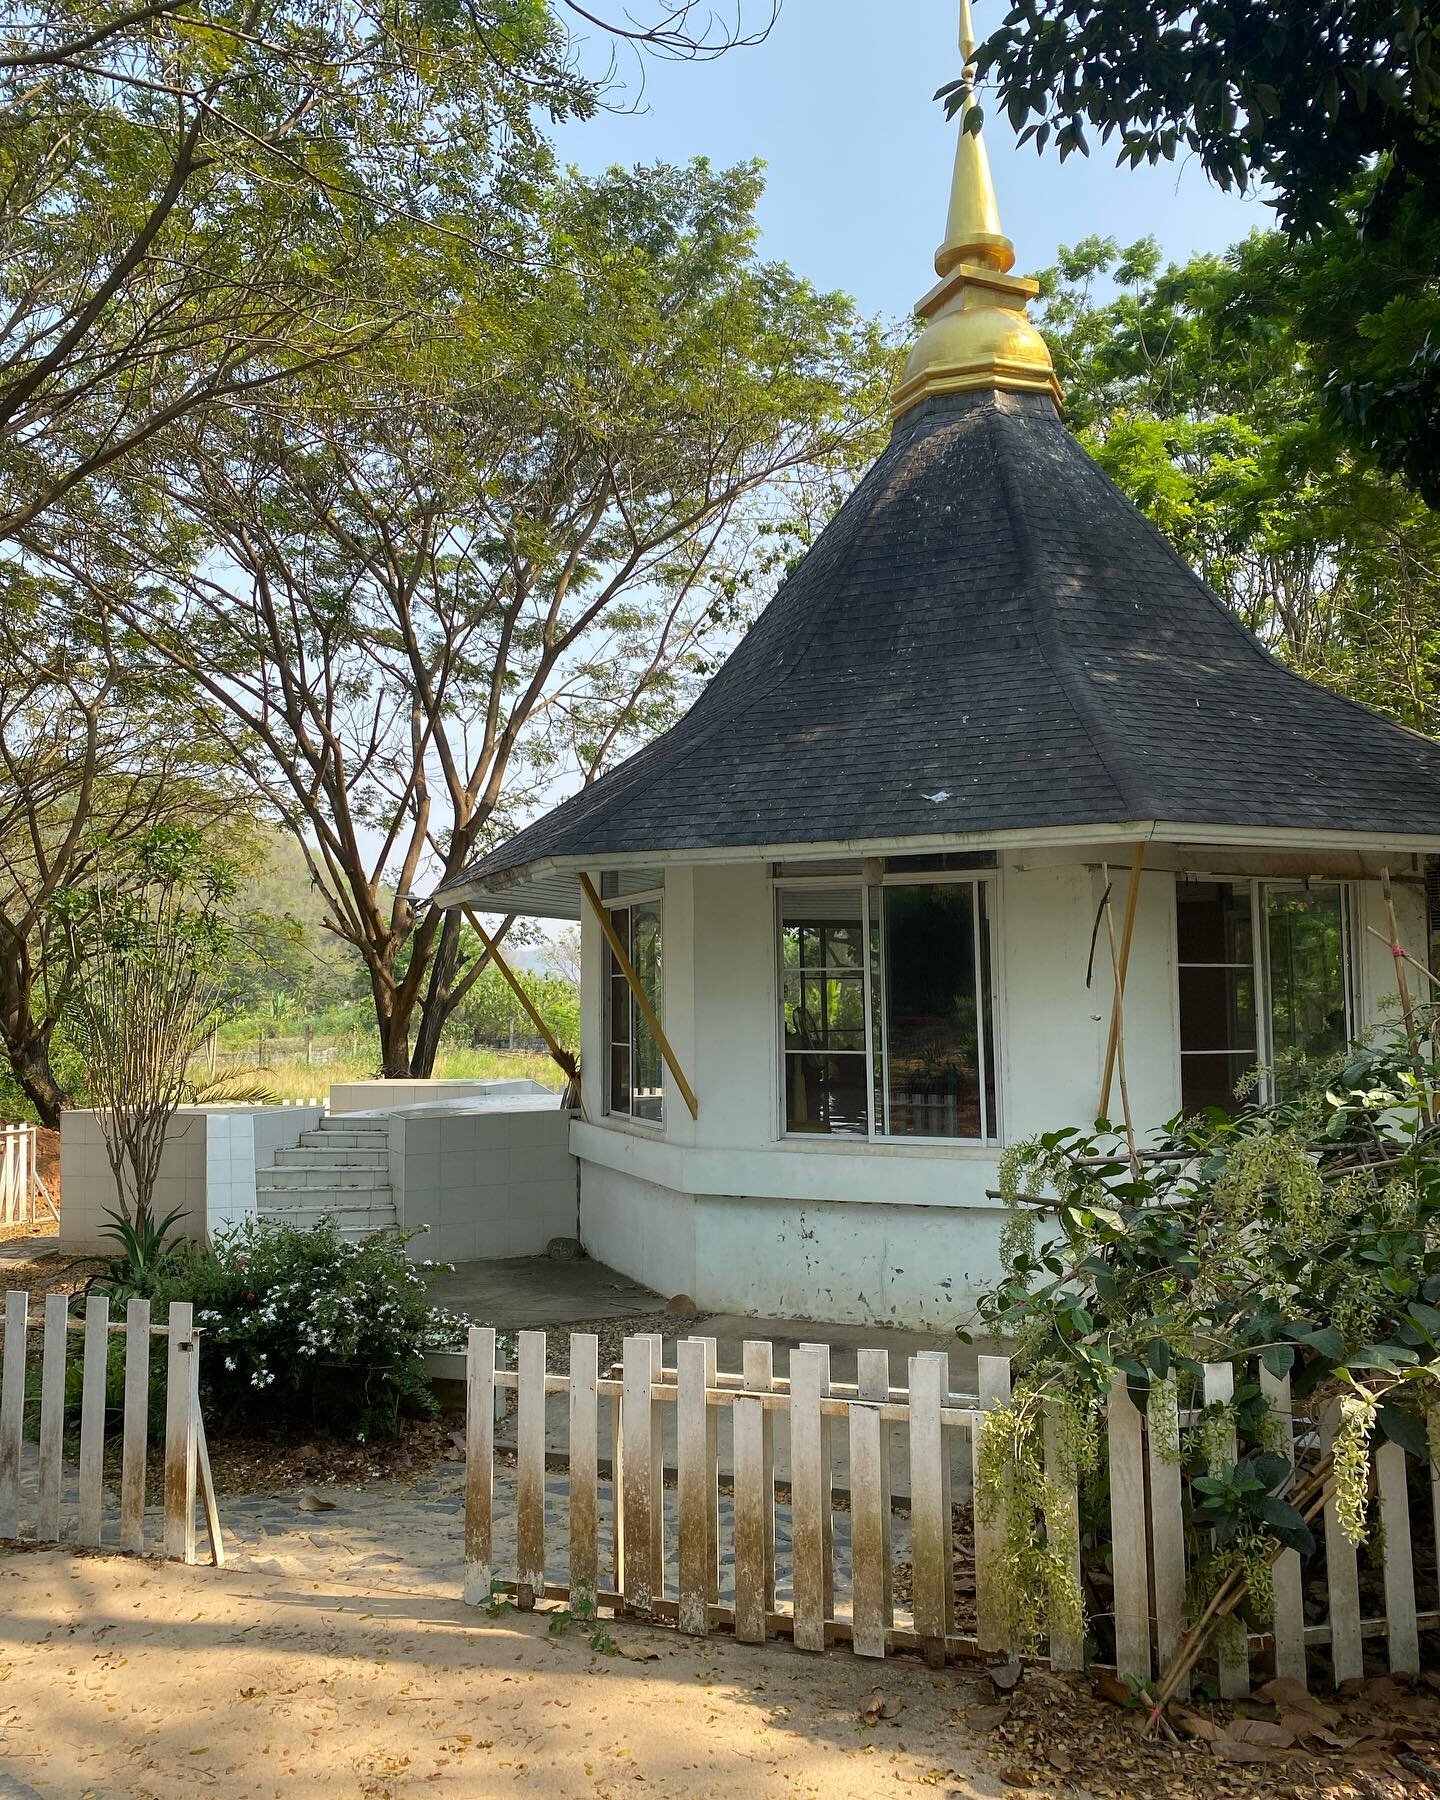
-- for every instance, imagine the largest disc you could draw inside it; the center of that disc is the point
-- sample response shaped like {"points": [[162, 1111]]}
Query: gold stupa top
{"points": [[977, 333]]}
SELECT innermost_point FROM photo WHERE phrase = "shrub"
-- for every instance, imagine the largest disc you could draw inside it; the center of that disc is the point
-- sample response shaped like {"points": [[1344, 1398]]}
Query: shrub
{"points": [[302, 1329]]}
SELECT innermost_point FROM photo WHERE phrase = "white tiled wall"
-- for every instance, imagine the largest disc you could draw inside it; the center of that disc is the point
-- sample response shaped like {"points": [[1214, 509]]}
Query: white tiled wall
{"points": [[207, 1168], [488, 1183], [376, 1096]]}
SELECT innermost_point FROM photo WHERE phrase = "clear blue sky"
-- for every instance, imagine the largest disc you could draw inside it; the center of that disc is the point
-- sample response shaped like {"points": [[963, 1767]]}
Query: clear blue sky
{"points": [[837, 102]]}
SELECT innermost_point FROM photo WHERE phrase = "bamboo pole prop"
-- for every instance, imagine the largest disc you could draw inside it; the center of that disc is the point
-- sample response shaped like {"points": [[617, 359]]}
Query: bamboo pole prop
{"points": [[1117, 1018], [1308, 1502], [1127, 934], [491, 947], [1407, 1010], [1405, 956], [642, 999]]}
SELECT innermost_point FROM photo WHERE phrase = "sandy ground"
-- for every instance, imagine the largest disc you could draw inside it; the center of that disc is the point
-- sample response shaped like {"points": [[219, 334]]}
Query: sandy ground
{"points": [[122, 1677]]}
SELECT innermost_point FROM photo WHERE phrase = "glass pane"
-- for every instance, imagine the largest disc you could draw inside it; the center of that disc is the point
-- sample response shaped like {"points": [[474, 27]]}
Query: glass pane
{"points": [[619, 1079], [1213, 922], [619, 1010], [1217, 1009], [1305, 942], [823, 1009], [825, 1093], [932, 1020], [992, 1128], [648, 1079], [1213, 1081]]}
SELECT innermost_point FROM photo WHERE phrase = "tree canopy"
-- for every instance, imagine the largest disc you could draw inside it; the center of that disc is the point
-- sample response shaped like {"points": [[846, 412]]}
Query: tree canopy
{"points": [[1201, 390]]}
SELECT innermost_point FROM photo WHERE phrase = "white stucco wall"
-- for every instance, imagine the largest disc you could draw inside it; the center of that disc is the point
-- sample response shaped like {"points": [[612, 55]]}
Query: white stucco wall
{"points": [[485, 1183], [723, 1209]]}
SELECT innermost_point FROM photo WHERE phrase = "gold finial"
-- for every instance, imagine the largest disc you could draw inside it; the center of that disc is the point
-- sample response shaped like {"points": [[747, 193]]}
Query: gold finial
{"points": [[977, 334]]}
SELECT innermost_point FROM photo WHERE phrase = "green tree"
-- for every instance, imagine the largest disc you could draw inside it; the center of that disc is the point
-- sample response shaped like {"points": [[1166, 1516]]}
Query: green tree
{"points": [[491, 554], [1331, 111], [1201, 389]]}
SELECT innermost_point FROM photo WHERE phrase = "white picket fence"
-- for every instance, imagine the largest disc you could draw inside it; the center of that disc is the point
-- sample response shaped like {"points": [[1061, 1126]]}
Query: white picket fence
{"points": [[1145, 1554], [187, 1460], [20, 1189]]}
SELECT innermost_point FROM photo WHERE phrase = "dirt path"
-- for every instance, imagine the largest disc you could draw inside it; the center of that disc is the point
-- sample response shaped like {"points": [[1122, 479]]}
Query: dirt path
{"points": [[132, 1678]]}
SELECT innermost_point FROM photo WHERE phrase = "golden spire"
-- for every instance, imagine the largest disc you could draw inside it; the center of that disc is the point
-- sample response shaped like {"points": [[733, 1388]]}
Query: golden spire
{"points": [[977, 334]]}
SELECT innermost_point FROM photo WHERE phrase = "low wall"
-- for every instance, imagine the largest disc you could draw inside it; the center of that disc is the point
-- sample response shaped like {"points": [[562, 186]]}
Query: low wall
{"points": [[207, 1168], [381, 1096], [488, 1182]]}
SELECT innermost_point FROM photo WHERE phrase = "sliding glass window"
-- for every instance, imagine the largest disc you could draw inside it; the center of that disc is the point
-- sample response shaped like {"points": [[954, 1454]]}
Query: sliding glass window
{"points": [[1265, 978], [887, 1010], [634, 1079]]}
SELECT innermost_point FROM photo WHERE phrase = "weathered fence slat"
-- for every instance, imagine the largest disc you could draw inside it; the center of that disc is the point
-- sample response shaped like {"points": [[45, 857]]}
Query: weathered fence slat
{"points": [[584, 1469], [641, 1587], [1232, 1653], [869, 1505], [1288, 1575], [809, 1495], [931, 1555], [1125, 1427], [1167, 1524], [530, 1469], [758, 1373], [872, 1382], [1067, 1644], [135, 1429], [695, 1484], [12, 1411], [754, 1505], [657, 1469], [1435, 1487], [92, 1417], [1401, 1628], [1342, 1574], [52, 1418], [181, 1406], [479, 1464], [993, 1383], [712, 1463]]}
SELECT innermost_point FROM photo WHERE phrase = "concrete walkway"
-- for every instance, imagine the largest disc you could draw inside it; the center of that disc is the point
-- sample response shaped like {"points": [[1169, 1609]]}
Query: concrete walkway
{"points": [[536, 1293]]}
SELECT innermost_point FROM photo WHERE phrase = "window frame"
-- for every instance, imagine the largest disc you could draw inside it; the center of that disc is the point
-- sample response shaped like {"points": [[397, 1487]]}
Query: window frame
{"points": [[610, 974], [972, 878], [1259, 967]]}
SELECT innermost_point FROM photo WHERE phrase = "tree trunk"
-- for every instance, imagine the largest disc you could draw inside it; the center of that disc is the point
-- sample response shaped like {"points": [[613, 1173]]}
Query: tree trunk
{"points": [[31, 1062], [439, 996], [394, 1028]]}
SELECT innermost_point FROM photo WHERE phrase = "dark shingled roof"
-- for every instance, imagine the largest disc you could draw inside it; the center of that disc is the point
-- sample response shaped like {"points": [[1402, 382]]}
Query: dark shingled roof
{"points": [[989, 637]]}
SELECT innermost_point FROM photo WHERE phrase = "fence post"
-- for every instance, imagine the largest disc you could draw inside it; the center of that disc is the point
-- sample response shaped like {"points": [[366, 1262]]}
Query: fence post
{"points": [[1288, 1577], [52, 1418], [1342, 1574], [1127, 1534], [993, 1383], [479, 1464], [695, 1486], [1401, 1628], [584, 1470], [931, 1537], [92, 1418], [12, 1411], [869, 1558], [530, 1471], [1067, 1646], [1167, 1525], [758, 1365], [637, 1498], [810, 1498], [181, 1403], [136, 1429], [872, 1380], [1233, 1658]]}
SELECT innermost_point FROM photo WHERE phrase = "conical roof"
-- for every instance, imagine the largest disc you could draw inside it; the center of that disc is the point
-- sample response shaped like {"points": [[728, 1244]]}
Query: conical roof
{"points": [[989, 638]]}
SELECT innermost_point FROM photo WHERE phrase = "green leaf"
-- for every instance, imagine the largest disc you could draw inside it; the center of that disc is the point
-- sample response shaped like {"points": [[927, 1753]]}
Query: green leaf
{"points": [[1279, 1359], [1404, 1429], [1327, 1341]]}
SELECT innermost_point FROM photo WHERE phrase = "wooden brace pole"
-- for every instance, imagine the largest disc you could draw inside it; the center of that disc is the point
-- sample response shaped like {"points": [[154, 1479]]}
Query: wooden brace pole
{"points": [[492, 949], [1407, 1010], [1127, 933], [642, 999]]}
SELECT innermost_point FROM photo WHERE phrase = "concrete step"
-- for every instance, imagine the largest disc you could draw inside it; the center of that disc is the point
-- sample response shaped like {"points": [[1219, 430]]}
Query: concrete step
{"points": [[304, 1156], [333, 1177], [353, 1222], [306, 1199], [353, 1122], [343, 1140]]}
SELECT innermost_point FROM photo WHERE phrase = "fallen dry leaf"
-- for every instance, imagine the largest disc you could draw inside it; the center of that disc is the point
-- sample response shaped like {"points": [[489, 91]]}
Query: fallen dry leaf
{"points": [[638, 1652], [1016, 1777], [1260, 1731], [1287, 1696], [1112, 1688], [315, 1503], [1006, 1676], [881, 1705], [987, 1718]]}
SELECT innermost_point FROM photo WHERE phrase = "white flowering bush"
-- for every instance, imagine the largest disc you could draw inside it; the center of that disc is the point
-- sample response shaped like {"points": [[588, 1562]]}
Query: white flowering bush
{"points": [[304, 1329]]}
